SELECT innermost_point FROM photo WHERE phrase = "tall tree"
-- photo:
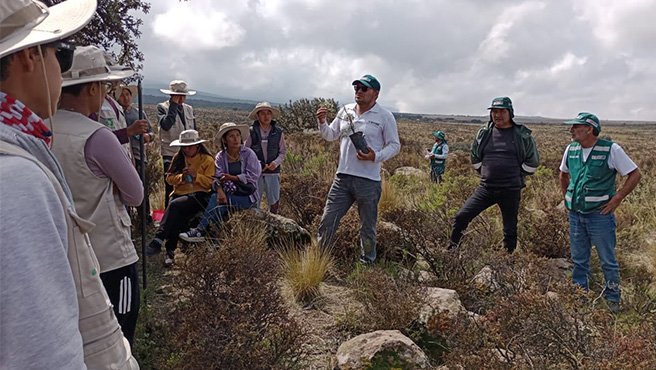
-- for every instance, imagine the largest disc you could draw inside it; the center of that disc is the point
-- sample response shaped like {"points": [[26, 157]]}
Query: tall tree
{"points": [[114, 25]]}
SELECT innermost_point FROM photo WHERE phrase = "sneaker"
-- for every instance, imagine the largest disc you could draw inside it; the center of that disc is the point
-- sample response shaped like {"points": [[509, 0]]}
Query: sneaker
{"points": [[153, 248], [168, 261], [194, 235], [613, 307]]}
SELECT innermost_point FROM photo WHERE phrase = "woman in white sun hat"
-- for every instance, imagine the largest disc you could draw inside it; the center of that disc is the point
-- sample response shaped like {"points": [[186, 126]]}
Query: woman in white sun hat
{"points": [[50, 288], [191, 174]]}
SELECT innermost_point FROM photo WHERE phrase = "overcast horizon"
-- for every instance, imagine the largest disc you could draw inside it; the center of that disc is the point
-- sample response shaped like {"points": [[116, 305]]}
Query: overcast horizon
{"points": [[554, 59]]}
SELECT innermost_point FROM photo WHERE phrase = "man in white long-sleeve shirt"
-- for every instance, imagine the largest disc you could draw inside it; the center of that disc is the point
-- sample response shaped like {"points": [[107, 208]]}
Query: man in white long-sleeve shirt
{"points": [[358, 172]]}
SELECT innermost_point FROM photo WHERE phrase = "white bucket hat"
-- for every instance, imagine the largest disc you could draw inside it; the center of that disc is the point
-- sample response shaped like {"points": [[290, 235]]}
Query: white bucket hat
{"points": [[89, 65], [26, 23], [275, 113], [244, 130], [178, 87], [131, 88], [188, 138]]}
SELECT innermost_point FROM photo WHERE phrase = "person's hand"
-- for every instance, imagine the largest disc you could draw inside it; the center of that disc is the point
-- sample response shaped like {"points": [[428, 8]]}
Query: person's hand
{"points": [[367, 157], [322, 113], [226, 176], [221, 197], [177, 99], [148, 137], [270, 167], [190, 171], [612, 204], [138, 127]]}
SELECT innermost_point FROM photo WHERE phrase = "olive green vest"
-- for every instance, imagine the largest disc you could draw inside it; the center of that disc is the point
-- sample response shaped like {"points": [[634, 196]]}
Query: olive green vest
{"points": [[592, 183]]}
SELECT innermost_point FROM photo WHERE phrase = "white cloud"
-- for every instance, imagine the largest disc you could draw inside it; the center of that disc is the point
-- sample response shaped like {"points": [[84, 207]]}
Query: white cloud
{"points": [[431, 56]]}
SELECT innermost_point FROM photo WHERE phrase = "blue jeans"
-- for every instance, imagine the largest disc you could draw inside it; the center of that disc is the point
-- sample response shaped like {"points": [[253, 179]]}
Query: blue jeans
{"points": [[584, 231], [345, 190], [218, 212]]}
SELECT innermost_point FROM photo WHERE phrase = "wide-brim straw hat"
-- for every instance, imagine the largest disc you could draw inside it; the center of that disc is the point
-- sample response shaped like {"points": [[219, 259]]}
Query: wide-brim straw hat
{"points": [[90, 65], [131, 88], [275, 113], [244, 130], [188, 138], [178, 87], [26, 23]]}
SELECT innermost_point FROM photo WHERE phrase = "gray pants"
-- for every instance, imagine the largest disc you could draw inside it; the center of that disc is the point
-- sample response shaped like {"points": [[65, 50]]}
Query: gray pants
{"points": [[345, 190]]}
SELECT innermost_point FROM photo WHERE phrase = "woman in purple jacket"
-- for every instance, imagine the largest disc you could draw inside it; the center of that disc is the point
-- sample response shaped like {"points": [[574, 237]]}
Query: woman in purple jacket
{"points": [[235, 180]]}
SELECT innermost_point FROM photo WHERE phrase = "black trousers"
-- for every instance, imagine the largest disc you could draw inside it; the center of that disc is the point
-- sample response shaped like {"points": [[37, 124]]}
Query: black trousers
{"points": [[167, 188], [179, 211], [482, 199], [146, 200], [122, 286]]}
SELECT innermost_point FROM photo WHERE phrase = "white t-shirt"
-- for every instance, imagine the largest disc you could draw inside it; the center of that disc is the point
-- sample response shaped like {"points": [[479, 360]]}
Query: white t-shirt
{"points": [[618, 160]]}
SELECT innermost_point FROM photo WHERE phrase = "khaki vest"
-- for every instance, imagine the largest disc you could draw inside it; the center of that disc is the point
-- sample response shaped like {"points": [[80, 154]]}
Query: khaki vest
{"points": [[93, 196], [166, 137], [113, 122], [104, 345]]}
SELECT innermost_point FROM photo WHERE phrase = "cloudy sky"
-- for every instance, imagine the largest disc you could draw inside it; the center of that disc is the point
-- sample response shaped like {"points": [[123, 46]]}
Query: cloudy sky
{"points": [[554, 58]]}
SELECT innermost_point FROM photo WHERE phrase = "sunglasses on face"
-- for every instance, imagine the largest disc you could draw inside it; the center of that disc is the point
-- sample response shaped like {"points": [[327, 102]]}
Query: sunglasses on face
{"points": [[64, 54], [360, 87]]}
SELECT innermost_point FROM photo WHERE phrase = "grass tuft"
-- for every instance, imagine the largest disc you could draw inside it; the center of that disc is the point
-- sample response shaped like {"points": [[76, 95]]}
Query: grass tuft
{"points": [[305, 269]]}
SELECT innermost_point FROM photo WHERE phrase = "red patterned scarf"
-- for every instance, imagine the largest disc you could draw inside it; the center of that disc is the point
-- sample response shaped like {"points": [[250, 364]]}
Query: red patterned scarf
{"points": [[15, 114]]}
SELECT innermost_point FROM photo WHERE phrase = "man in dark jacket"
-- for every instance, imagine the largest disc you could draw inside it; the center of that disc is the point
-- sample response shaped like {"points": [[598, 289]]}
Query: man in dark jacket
{"points": [[503, 152]]}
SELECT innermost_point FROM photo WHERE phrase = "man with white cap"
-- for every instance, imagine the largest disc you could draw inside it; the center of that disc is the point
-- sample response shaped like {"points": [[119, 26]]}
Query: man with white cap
{"points": [[102, 179], [174, 117], [268, 142], [55, 313], [587, 179]]}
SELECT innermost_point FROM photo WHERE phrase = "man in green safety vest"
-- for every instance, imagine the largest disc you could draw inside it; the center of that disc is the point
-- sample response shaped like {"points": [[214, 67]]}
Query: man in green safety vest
{"points": [[587, 178]]}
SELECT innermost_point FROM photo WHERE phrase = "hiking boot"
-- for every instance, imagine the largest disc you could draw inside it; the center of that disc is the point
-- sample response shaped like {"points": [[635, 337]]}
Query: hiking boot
{"points": [[194, 235], [153, 248], [613, 307]]}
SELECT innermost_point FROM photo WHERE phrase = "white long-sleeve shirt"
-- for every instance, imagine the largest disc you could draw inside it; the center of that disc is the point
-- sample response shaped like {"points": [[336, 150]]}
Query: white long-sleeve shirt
{"points": [[379, 128]]}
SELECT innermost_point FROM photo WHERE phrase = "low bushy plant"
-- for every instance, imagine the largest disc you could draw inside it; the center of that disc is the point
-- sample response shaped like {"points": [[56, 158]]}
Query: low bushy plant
{"points": [[304, 269]]}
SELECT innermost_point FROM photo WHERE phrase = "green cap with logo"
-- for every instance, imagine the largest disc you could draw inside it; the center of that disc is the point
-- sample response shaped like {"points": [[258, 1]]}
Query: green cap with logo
{"points": [[585, 118], [440, 134], [503, 102], [369, 81]]}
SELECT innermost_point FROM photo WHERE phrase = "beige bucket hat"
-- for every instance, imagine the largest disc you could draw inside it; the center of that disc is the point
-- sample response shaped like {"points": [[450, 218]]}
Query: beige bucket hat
{"points": [[131, 88], [26, 23], [188, 138], [244, 130], [275, 113], [89, 65], [178, 87]]}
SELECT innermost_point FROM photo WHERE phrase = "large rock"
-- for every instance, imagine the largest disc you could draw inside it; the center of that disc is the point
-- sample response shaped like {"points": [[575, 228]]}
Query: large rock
{"points": [[485, 279], [410, 171], [388, 347], [440, 300], [281, 229]]}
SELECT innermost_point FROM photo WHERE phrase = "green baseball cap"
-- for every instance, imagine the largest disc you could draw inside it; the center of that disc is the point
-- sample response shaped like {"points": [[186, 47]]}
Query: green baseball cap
{"points": [[503, 102], [369, 81], [585, 118]]}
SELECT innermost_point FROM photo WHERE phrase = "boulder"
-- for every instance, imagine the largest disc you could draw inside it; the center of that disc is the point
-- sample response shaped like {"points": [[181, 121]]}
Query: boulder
{"points": [[485, 279], [440, 300], [410, 171], [281, 229], [383, 348]]}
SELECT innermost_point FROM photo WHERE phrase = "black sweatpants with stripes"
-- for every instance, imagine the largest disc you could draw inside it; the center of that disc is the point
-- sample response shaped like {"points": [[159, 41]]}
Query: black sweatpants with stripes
{"points": [[122, 286]]}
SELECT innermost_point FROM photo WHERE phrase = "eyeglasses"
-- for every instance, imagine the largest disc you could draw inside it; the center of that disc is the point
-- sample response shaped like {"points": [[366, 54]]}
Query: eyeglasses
{"points": [[360, 87], [64, 54]]}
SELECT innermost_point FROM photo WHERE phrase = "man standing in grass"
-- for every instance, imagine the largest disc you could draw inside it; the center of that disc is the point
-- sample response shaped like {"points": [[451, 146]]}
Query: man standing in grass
{"points": [[503, 152], [587, 179], [358, 173]]}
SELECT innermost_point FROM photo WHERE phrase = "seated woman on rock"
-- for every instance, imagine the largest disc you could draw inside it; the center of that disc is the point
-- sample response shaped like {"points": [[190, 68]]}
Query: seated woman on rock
{"points": [[235, 181], [191, 174]]}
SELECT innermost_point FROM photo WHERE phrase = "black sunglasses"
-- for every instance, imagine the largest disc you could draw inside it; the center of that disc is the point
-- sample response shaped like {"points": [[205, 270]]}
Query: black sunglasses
{"points": [[360, 87], [64, 54]]}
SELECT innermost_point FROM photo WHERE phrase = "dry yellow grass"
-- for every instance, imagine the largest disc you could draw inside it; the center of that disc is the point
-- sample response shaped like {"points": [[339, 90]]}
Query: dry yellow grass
{"points": [[388, 198], [305, 269]]}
